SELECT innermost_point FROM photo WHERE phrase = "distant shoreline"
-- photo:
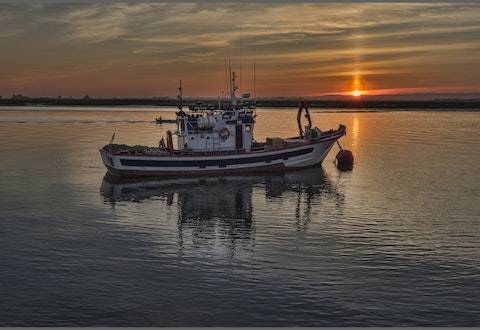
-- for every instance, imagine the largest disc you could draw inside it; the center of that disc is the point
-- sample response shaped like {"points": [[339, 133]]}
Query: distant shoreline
{"points": [[261, 103]]}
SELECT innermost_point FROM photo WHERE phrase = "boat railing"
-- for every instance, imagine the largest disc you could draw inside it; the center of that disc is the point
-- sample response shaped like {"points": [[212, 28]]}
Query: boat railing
{"points": [[210, 153]]}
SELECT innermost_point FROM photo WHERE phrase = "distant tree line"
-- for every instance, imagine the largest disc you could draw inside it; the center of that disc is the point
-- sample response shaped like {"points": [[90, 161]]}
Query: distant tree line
{"points": [[21, 100]]}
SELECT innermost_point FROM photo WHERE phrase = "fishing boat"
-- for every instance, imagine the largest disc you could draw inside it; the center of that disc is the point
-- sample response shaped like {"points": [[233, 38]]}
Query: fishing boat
{"points": [[219, 139]]}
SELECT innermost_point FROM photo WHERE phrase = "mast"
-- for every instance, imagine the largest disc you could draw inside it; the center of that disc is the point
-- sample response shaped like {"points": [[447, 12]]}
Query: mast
{"points": [[227, 88], [240, 72], [233, 84], [254, 77], [230, 77], [180, 96], [254, 92]]}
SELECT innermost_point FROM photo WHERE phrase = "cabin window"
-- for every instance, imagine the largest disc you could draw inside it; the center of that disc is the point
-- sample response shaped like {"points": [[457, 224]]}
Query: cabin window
{"points": [[192, 138], [208, 137]]}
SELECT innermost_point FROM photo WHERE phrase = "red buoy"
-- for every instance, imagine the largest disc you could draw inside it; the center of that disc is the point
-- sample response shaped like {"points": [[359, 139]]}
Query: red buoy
{"points": [[344, 159]]}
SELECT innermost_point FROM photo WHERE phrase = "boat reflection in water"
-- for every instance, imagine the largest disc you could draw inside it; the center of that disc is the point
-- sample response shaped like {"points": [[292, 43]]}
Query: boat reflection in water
{"points": [[220, 207]]}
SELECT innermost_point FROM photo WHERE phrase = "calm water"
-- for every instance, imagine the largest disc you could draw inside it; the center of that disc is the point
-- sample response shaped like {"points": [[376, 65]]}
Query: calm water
{"points": [[396, 241]]}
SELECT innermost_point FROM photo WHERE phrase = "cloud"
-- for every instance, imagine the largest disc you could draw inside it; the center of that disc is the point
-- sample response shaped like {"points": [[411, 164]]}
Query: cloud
{"points": [[146, 40], [100, 22]]}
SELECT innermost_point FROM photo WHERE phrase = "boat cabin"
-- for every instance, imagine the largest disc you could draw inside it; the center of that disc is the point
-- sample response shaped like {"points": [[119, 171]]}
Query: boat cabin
{"points": [[211, 130], [223, 127]]}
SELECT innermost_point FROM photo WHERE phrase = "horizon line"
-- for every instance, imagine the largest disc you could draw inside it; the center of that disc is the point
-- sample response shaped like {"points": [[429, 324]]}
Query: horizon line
{"points": [[340, 94]]}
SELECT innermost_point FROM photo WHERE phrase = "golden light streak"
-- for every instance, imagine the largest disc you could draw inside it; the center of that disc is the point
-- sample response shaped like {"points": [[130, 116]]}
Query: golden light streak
{"points": [[355, 133], [357, 87]]}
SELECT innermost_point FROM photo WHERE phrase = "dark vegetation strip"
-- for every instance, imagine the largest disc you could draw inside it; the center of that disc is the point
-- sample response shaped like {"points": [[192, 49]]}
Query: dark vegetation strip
{"points": [[315, 103]]}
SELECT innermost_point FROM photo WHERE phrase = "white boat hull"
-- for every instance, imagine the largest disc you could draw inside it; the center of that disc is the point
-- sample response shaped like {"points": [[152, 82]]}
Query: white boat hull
{"points": [[307, 154]]}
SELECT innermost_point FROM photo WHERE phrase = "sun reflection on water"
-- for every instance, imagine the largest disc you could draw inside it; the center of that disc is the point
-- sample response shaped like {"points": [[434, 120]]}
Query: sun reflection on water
{"points": [[355, 133]]}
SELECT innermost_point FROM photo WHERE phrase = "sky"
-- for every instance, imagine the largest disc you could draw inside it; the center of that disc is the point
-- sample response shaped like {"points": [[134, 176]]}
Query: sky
{"points": [[137, 49]]}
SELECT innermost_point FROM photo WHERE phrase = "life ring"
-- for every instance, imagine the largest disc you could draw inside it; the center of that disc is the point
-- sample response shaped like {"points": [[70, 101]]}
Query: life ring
{"points": [[224, 134]]}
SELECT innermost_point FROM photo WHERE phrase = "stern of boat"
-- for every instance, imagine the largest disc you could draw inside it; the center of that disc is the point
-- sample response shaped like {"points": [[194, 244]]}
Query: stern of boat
{"points": [[321, 146]]}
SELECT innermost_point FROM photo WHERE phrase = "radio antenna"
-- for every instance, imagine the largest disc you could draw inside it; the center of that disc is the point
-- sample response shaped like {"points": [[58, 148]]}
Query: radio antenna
{"points": [[180, 96], [230, 77], [241, 57], [226, 78], [254, 91]]}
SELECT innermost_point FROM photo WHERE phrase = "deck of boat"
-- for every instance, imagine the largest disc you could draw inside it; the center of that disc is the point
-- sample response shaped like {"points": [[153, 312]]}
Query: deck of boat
{"points": [[257, 147]]}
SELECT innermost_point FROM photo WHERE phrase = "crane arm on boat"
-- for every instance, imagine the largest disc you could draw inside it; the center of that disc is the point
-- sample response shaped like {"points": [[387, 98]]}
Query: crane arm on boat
{"points": [[299, 119]]}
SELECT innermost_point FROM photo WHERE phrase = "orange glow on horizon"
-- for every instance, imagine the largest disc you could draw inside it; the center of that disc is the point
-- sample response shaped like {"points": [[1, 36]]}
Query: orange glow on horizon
{"points": [[357, 93], [357, 87]]}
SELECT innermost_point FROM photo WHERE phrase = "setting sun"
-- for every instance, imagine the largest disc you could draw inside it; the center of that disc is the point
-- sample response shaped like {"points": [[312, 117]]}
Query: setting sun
{"points": [[357, 86], [357, 93]]}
